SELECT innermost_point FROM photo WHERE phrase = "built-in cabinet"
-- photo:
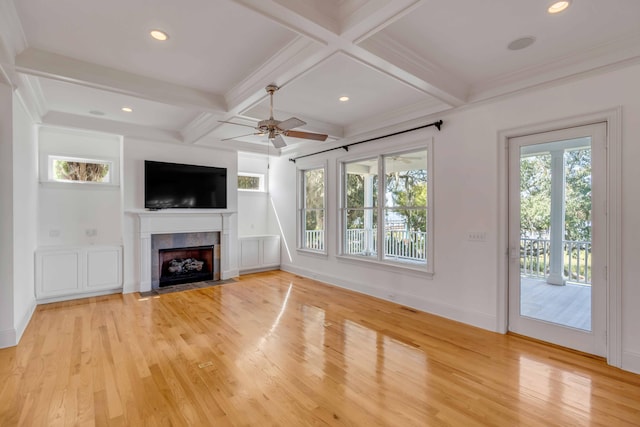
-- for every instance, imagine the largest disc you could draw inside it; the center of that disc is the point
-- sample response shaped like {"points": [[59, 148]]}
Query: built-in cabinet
{"points": [[259, 253], [75, 272]]}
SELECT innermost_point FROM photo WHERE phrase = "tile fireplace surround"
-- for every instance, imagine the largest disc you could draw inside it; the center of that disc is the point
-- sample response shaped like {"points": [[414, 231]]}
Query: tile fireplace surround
{"points": [[151, 223]]}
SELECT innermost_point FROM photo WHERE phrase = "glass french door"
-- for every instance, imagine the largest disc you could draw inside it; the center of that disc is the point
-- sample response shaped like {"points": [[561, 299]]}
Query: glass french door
{"points": [[557, 276]]}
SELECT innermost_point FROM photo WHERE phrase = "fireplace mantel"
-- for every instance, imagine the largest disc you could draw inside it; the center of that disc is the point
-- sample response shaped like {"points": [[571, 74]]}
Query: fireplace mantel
{"points": [[168, 222]]}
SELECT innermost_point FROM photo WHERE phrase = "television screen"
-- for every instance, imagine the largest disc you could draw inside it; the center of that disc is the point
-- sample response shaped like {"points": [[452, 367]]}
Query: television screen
{"points": [[172, 185]]}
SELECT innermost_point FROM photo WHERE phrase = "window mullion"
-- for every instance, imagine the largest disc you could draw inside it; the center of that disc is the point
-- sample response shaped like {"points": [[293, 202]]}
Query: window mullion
{"points": [[382, 185]]}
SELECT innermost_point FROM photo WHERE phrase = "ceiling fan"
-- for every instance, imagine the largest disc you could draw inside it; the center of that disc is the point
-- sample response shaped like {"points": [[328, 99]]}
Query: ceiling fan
{"points": [[276, 129]]}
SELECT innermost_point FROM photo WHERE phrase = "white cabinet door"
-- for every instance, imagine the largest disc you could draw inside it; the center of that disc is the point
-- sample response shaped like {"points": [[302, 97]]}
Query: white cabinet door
{"points": [[104, 268], [58, 273], [259, 253], [71, 272], [249, 253], [271, 251]]}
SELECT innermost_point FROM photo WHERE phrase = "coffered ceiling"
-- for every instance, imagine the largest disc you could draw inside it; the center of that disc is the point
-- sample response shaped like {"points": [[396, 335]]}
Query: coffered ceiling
{"points": [[78, 62]]}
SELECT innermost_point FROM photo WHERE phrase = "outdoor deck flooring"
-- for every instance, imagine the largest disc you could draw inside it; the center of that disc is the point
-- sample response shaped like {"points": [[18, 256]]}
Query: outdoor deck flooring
{"points": [[569, 305]]}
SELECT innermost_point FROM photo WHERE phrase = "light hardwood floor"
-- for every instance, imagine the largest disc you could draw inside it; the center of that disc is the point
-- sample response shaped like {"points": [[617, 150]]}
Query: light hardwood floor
{"points": [[277, 349]]}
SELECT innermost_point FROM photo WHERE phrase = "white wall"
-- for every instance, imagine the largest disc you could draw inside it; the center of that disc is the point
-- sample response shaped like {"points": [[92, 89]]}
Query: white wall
{"points": [[135, 152], [253, 207], [68, 210], [466, 193], [7, 331], [25, 208]]}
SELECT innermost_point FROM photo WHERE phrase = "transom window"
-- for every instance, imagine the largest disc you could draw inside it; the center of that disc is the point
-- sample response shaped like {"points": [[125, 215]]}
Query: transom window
{"points": [[387, 219], [70, 169], [250, 181], [312, 210]]}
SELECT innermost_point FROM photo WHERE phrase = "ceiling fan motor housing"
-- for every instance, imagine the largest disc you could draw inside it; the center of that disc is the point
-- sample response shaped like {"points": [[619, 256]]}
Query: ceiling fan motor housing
{"points": [[267, 125]]}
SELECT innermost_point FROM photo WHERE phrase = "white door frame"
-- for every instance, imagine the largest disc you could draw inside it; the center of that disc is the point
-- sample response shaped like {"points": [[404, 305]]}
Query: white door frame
{"points": [[613, 250]]}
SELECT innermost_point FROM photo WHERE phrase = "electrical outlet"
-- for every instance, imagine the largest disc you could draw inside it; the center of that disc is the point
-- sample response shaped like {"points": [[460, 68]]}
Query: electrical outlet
{"points": [[477, 236]]}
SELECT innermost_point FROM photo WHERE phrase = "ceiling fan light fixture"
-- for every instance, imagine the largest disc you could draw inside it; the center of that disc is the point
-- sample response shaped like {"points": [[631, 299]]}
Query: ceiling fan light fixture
{"points": [[558, 6], [159, 35]]}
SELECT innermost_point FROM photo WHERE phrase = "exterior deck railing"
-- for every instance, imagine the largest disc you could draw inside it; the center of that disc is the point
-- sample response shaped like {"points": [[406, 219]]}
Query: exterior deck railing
{"points": [[535, 253], [399, 244], [314, 239]]}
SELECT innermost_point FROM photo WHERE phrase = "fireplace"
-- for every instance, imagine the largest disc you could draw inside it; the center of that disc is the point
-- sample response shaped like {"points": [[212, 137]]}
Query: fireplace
{"points": [[169, 229], [184, 258], [187, 265]]}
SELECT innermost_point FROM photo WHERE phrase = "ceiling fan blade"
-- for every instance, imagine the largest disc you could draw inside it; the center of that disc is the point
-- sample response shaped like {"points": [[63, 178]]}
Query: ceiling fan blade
{"points": [[279, 142], [306, 135], [240, 136], [238, 124], [291, 123]]}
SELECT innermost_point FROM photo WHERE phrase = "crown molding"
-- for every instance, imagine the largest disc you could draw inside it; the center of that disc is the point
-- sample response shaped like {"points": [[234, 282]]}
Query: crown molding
{"points": [[56, 118], [285, 65], [605, 56], [428, 76], [392, 118], [199, 127], [50, 65], [373, 16], [30, 93]]}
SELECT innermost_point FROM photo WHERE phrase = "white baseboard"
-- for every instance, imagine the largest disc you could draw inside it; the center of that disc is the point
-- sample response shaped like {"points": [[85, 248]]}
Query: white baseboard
{"points": [[130, 287], [480, 320], [79, 296], [8, 338], [24, 322], [259, 270], [631, 361], [11, 337], [228, 274]]}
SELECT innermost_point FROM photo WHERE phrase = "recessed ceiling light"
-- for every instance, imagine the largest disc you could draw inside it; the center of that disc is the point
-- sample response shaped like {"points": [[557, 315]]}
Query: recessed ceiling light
{"points": [[343, 98], [159, 35], [558, 6], [127, 109], [521, 43]]}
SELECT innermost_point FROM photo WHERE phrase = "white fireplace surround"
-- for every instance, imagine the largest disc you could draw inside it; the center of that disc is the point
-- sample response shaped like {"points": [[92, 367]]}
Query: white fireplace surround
{"points": [[182, 222]]}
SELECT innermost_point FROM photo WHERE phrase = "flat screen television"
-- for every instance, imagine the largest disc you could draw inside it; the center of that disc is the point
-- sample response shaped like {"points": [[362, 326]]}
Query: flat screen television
{"points": [[177, 186]]}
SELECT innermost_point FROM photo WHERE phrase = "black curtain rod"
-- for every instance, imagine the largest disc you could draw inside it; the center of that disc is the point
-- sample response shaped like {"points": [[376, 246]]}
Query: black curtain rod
{"points": [[437, 124]]}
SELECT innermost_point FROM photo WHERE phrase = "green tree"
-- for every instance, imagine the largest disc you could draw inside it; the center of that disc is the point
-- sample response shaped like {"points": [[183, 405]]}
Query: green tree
{"points": [[535, 195], [408, 189], [314, 199], [578, 195], [80, 171]]}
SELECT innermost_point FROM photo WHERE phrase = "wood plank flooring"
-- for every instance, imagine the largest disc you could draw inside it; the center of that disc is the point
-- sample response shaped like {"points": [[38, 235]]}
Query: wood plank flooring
{"points": [[277, 349]]}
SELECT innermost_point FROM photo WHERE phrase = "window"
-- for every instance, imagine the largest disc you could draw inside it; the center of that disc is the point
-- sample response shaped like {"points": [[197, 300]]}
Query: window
{"points": [[70, 169], [312, 210], [250, 181], [387, 219]]}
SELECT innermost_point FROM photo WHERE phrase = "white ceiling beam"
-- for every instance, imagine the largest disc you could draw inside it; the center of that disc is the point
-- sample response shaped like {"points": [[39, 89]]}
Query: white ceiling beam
{"points": [[110, 126], [395, 59], [41, 63], [363, 23]]}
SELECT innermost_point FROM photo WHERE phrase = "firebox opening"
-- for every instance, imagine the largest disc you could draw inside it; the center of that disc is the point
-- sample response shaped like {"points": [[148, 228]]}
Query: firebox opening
{"points": [[186, 265]]}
